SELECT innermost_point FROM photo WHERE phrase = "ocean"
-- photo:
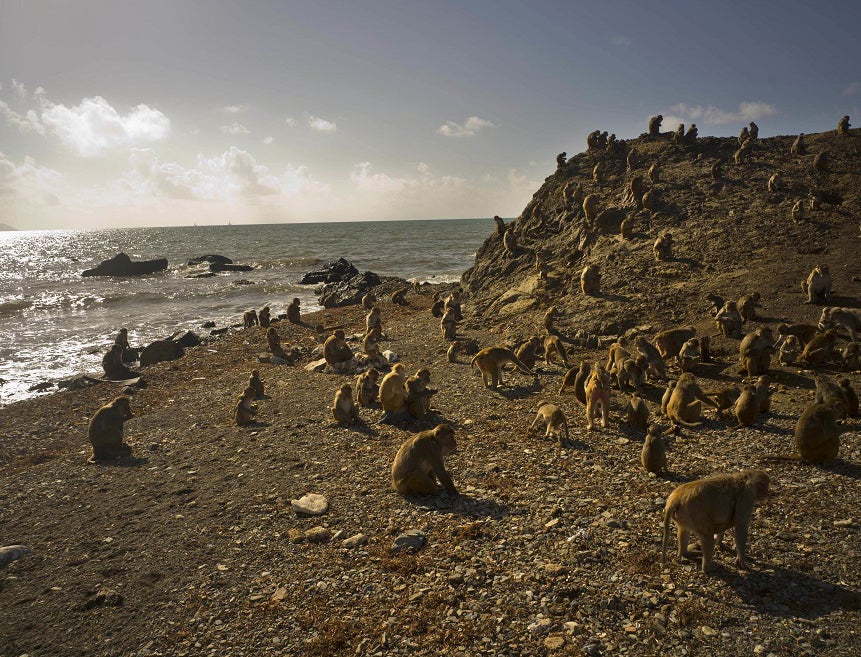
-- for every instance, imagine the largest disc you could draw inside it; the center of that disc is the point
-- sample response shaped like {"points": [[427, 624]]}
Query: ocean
{"points": [[55, 323]]}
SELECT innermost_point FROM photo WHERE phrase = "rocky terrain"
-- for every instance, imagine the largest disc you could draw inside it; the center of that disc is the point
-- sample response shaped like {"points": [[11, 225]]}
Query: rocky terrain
{"points": [[195, 548]]}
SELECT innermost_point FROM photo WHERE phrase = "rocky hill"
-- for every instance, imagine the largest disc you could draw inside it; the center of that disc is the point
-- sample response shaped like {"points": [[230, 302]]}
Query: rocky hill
{"points": [[731, 235]]}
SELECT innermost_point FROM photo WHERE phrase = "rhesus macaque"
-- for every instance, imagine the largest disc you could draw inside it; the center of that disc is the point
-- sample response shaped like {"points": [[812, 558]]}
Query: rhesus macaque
{"points": [[490, 360], [245, 410], [597, 395], [335, 349], [343, 408], [420, 462], [685, 404], [654, 453], [419, 394], [552, 417], [105, 430], [256, 384], [293, 312], [367, 387]]}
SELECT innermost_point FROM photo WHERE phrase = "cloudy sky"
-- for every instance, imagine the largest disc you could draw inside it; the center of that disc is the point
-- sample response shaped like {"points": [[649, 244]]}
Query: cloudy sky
{"points": [[118, 113]]}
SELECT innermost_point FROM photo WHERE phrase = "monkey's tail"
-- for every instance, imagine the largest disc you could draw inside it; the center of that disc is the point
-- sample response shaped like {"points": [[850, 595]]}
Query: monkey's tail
{"points": [[668, 512], [472, 363], [691, 425], [521, 366]]}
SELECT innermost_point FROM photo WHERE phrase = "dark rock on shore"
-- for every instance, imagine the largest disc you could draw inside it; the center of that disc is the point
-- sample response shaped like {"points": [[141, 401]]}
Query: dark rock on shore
{"points": [[334, 272], [161, 350], [219, 259], [187, 339], [220, 266], [122, 265]]}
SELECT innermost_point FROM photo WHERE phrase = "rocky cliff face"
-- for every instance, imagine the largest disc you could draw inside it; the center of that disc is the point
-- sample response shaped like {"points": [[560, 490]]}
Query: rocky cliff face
{"points": [[731, 234]]}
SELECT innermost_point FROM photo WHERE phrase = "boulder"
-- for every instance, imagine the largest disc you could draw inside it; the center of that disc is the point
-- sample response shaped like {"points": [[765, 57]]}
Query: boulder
{"points": [[224, 260], [340, 270], [219, 266], [187, 339], [161, 350], [122, 265]]}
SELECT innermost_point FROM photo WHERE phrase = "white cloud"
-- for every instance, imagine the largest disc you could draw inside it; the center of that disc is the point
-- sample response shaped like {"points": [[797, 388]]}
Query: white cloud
{"points": [[290, 121], [30, 183], [621, 41], [94, 126], [234, 109], [268, 140], [467, 129], [235, 129], [26, 123], [366, 179], [747, 111], [20, 89], [852, 89], [321, 125]]}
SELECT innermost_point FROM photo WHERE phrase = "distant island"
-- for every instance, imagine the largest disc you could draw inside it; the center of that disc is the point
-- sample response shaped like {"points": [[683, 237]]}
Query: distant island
{"points": [[7, 227]]}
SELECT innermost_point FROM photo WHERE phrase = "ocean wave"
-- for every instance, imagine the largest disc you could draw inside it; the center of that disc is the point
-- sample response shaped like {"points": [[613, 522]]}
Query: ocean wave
{"points": [[8, 308]]}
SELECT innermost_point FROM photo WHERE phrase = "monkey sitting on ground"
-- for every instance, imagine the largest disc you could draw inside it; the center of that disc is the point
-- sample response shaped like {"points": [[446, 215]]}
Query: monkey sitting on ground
{"points": [[274, 342], [577, 377], [846, 317], [560, 159], [817, 287], [369, 300], [500, 225], [509, 242], [710, 506], [393, 392], [526, 352], [549, 319], [293, 312], [798, 146], [367, 387], [336, 350], [448, 324], [245, 410], [851, 398], [400, 296], [370, 344], [637, 412], [453, 351], [827, 390], [755, 351], [105, 430], [552, 417], [685, 404], [590, 280], [820, 349], [747, 306], [663, 247], [746, 407], [654, 453], [553, 346], [817, 433], [374, 320], [343, 409], [689, 354], [590, 207], [541, 266], [797, 212], [453, 301], [724, 399], [420, 461], [419, 394], [490, 360], [655, 125], [670, 342], [729, 321], [597, 395], [790, 350], [843, 126], [112, 364], [249, 319], [668, 394], [851, 357], [129, 355], [657, 369], [654, 172], [263, 317], [820, 162], [256, 384], [705, 353], [762, 387], [691, 134], [754, 130], [438, 305], [679, 134]]}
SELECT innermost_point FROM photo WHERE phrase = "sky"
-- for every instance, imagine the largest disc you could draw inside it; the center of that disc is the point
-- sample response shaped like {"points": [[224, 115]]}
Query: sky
{"points": [[117, 113]]}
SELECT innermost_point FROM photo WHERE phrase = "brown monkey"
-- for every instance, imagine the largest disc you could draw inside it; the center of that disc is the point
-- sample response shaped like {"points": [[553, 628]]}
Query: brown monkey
{"points": [[122, 339], [336, 350], [851, 398], [112, 364], [843, 126], [650, 200], [274, 342], [549, 318], [820, 162], [526, 351], [655, 125], [668, 394], [343, 408], [592, 140], [717, 170], [754, 130], [631, 372], [679, 134], [820, 350], [617, 354], [541, 266], [813, 201], [263, 317], [846, 317], [553, 346], [105, 430], [685, 404], [637, 412], [374, 320], [552, 417], [790, 350], [637, 187], [249, 319], [817, 434], [762, 388], [633, 160], [448, 324], [370, 344], [747, 306], [400, 296], [453, 351], [420, 462], [827, 389], [245, 410], [597, 395], [654, 172], [743, 152], [691, 134], [626, 228], [654, 454], [743, 136], [453, 301], [747, 407], [590, 280], [728, 320], [724, 399], [590, 207], [560, 159], [670, 342], [577, 377], [597, 175], [419, 394], [330, 300], [656, 369], [797, 212], [708, 507], [417, 287], [804, 332], [755, 351], [293, 312], [663, 247], [438, 305], [798, 146], [490, 360], [367, 387], [368, 301], [256, 384], [509, 242], [705, 353], [393, 391], [500, 225], [851, 357], [689, 354], [772, 183]]}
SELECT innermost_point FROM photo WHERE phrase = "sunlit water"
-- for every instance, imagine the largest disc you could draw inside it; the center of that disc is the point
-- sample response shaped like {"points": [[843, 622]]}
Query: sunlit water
{"points": [[55, 323]]}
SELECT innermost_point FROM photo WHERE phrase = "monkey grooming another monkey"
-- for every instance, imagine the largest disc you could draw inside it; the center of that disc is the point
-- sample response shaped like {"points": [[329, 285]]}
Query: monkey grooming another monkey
{"points": [[724, 399], [689, 354], [685, 405], [420, 462], [490, 360], [804, 332], [729, 320], [657, 368], [654, 453], [105, 430], [820, 349], [669, 342], [552, 417], [710, 506], [527, 351], [245, 409], [367, 387], [755, 351], [747, 306]]}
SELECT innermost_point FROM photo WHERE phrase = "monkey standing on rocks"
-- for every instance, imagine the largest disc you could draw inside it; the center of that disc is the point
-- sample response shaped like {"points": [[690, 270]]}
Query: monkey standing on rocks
{"points": [[710, 506], [420, 461], [527, 351], [552, 417], [553, 346], [490, 360], [249, 319], [655, 125], [105, 430], [577, 377], [597, 396], [509, 242]]}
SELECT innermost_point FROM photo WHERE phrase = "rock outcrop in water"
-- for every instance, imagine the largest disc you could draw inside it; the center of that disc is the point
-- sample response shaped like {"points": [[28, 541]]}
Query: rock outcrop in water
{"points": [[219, 259], [335, 272], [122, 265], [345, 286]]}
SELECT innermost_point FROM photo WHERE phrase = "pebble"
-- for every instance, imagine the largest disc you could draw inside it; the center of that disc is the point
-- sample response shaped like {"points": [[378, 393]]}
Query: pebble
{"points": [[554, 642], [413, 540], [318, 535], [355, 541], [310, 504]]}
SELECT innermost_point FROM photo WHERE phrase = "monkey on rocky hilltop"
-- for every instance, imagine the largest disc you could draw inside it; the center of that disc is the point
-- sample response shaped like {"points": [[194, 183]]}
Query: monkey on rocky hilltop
{"points": [[105, 430], [655, 125], [590, 280], [843, 126], [708, 507], [420, 462]]}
